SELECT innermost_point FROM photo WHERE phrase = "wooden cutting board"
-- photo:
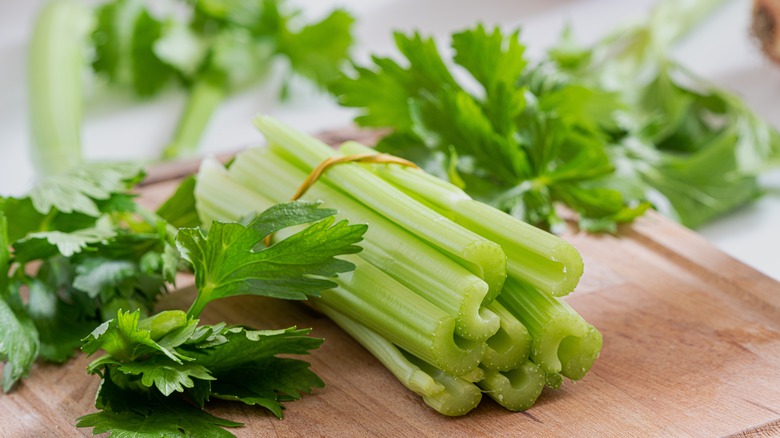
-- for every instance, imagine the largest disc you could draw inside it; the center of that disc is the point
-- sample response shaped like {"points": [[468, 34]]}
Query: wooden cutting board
{"points": [[691, 348]]}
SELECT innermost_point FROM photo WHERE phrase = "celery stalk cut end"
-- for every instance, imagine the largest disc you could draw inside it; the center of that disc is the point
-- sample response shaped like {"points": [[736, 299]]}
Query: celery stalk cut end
{"points": [[577, 354], [517, 389]]}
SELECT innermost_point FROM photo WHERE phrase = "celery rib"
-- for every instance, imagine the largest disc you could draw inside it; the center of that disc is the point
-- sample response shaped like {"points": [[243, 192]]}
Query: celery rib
{"points": [[517, 389], [510, 346], [56, 65], [403, 256], [204, 98], [563, 342], [539, 258], [481, 256], [382, 304], [448, 395], [219, 198]]}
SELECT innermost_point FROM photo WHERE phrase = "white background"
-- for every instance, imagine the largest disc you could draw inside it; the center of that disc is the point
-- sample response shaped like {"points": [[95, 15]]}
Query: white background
{"points": [[119, 128]]}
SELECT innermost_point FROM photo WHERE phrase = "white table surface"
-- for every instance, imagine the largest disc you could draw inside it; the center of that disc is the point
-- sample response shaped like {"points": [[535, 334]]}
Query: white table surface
{"points": [[119, 128]]}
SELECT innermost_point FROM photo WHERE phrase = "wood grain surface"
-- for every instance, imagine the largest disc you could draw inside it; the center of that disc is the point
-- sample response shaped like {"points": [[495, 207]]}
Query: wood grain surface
{"points": [[691, 348]]}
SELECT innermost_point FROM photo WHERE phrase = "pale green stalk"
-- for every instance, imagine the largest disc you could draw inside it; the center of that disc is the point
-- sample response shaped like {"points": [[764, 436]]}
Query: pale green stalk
{"points": [[510, 346], [446, 394], [563, 342], [539, 258], [481, 256], [204, 98], [56, 65]]}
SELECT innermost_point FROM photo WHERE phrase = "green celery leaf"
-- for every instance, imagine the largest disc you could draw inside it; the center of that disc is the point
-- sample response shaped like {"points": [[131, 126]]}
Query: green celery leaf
{"points": [[118, 203], [157, 418], [267, 383], [179, 210], [78, 189], [19, 344], [44, 244], [98, 275], [181, 47], [285, 215], [124, 41], [112, 38], [318, 50], [494, 59], [227, 264], [124, 340], [18, 336], [247, 370], [25, 219], [61, 324], [166, 375], [382, 94], [518, 143], [237, 58], [208, 335], [250, 14], [706, 184]]}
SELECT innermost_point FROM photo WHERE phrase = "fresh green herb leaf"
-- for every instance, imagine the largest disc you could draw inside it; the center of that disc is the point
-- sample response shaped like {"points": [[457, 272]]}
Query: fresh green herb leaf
{"points": [[167, 376], [44, 244], [317, 50], [124, 43], [229, 262], [79, 188], [179, 210], [61, 324], [509, 142], [144, 381], [246, 369], [122, 338], [18, 336], [158, 417]]}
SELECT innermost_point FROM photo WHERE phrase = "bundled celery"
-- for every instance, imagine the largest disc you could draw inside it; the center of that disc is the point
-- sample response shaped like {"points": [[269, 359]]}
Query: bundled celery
{"points": [[409, 260], [368, 295], [415, 299]]}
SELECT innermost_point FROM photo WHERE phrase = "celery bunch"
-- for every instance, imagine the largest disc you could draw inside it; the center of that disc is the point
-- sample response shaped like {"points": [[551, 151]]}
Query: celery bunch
{"points": [[454, 297]]}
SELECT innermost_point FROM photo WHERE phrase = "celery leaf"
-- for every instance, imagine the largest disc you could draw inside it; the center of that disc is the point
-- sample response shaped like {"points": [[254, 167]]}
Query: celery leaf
{"points": [[80, 188], [510, 140], [142, 384], [229, 262], [158, 417], [18, 336]]}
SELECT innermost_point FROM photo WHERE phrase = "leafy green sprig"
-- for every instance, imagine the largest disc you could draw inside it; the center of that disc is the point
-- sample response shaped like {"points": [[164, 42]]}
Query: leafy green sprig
{"points": [[215, 48], [605, 130]]}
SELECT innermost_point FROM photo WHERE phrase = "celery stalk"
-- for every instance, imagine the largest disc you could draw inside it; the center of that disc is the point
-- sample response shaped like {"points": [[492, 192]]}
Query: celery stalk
{"points": [[510, 346], [446, 394], [367, 294], [539, 258], [517, 389], [563, 342], [384, 305], [203, 100], [219, 198], [460, 397], [56, 66], [403, 256], [483, 257]]}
